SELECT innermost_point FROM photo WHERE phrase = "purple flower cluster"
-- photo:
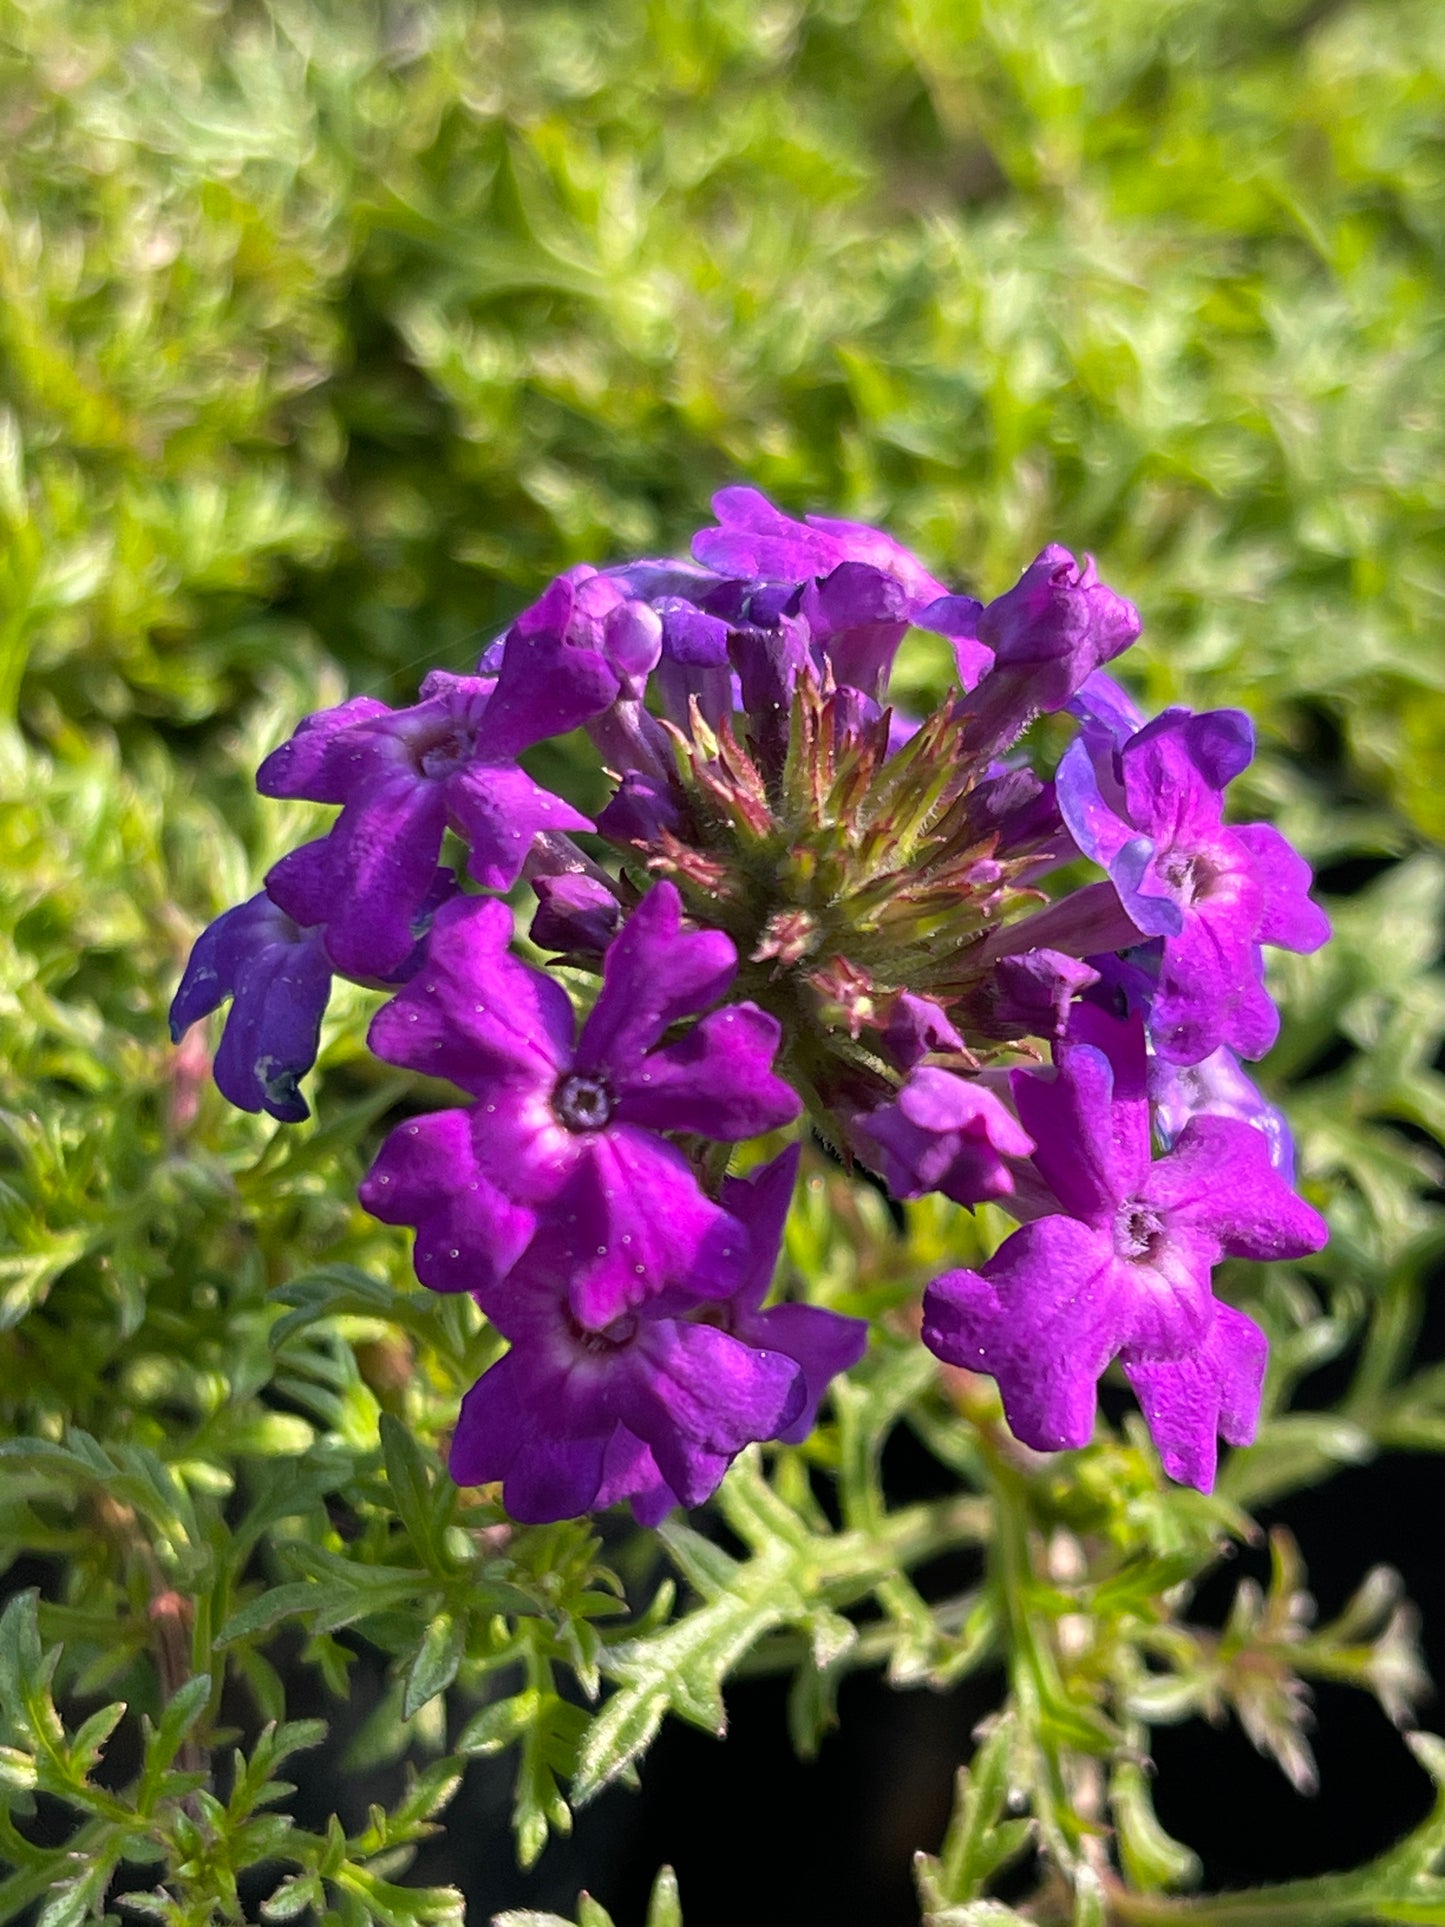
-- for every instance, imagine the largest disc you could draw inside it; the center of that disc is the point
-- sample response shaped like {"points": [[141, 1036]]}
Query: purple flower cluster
{"points": [[797, 901]]}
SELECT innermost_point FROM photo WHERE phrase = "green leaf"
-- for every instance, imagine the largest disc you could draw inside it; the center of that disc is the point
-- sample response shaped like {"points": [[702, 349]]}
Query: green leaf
{"points": [[664, 1909], [435, 1664]]}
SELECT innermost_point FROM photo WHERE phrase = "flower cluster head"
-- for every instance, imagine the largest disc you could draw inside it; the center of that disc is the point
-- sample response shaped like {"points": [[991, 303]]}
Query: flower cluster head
{"points": [[798, 907]]}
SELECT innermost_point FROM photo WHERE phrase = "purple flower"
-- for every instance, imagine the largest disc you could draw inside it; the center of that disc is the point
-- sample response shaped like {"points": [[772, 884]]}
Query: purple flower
{"points": [[943, 1133], [576, 913], [1028, 995], [403, 776], [650, 1403], [1150, 812], [644, 810], [278, 977], [1047, 635], [1217, 1087], [551, 1113], [836, 592], [757, 541], [917, 1026], [1123, 1269], [823, 1343]]}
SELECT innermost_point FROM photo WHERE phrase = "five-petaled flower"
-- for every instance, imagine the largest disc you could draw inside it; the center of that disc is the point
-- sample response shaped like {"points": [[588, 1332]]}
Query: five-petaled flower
{"points": [[1122, 1269], [551, 1112]]}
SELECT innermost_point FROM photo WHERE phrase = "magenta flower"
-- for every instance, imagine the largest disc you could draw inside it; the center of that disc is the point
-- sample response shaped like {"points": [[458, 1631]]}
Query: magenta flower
{"points": [[651, 1403], [943, 1133], [822, 1343], [1123, 1270], [550, 1111], [404, 776], [1150, 811], [820, 589], [1039, 643], [754, 540]]}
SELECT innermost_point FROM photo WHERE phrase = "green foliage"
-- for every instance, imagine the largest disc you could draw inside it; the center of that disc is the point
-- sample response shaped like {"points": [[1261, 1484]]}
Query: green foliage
{"points": [[327, 331]]}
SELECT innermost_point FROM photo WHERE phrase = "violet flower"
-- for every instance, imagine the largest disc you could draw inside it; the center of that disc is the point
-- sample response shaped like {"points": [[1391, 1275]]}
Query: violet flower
{"points": [[756, 540], [1045, 636], [403, 776], [550, 1111], [848, 591], [822, 1343], [1123, 1270], [648, 1403], [916, 1027], [1150, 811], [278, 977], [943, 1133], [577, 914]]}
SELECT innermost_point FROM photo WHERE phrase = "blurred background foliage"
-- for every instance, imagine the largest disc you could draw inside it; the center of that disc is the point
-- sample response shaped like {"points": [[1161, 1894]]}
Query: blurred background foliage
{"points": [[329, 329]]}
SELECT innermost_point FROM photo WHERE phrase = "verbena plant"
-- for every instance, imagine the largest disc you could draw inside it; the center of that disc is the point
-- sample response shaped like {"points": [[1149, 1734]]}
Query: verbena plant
{"points": [[351, 329]]}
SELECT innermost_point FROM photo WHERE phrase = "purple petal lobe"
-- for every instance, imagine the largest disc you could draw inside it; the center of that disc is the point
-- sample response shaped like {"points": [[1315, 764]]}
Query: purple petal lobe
{"points": [[1090, 1150], [653, 1225], [278, 977], [655, 973], [691, 636], [550, 680], [319, 762], [1043, 1319], [475, 1014], [1189, 1400], [1218, 1181], [1289, 918], [381, 861], [469, 1234], [717, 1080], [760, 1202], [705, 1397], [821, 1343], [499, 811], [505, 1432]]}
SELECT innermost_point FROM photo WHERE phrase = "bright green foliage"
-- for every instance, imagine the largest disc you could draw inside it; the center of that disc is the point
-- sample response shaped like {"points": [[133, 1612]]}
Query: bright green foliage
{"points": [[329, 329]]}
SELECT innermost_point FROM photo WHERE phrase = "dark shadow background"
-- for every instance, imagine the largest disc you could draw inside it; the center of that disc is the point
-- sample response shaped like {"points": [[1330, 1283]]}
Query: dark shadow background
{"points": [[756, 1835]]}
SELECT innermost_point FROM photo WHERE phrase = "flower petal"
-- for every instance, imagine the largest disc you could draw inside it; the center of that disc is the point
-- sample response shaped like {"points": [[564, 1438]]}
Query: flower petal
{"points": [[475, 1014], [1091, 1146], [1044, 1318], [698, 1396], [760, 1202], [469, 1233], [1218, 1180], [1189, 1400], [1289, 918], [655, 973], [823, 1343], [717, 1080], [321, 760], [655, 1228], [508, 1430], [498, 810], [380, 863]]}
